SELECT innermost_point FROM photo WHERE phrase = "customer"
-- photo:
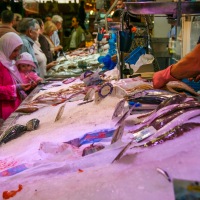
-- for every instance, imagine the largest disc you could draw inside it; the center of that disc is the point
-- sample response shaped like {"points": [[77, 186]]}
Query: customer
{"points": [[49, 29], [11, 87], [187, 67], [26, 66], [40, 55], [57, 20], [7, 19], [29, 29], [44, 44], [77, 38]]}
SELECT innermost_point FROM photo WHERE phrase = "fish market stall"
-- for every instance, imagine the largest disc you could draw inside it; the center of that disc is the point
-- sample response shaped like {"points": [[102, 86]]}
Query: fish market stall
{"points": [[74, 63], [86, 142]]}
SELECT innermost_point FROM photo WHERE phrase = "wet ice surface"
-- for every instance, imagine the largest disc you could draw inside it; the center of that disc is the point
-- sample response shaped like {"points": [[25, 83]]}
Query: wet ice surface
{"points": [[134, 176]]}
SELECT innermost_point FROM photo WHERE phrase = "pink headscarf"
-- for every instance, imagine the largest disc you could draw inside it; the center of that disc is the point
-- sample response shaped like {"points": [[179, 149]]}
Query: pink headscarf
{"points": [[8, 43]]}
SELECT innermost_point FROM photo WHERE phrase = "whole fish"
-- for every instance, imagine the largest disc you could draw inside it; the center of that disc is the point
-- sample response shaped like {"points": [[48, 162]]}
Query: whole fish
{"points": [[149, 99], [174, 100], [154, 92], [181, 119], [171, 134], [12, 133], [181, 86], [163, 118]]}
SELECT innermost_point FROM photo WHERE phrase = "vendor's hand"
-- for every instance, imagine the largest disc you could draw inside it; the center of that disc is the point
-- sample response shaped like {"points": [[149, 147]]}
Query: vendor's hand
{"points": [[26, 87]]}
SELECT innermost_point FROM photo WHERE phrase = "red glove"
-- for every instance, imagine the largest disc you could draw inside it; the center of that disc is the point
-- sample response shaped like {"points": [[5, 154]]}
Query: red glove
{"points": [[161, 78]]}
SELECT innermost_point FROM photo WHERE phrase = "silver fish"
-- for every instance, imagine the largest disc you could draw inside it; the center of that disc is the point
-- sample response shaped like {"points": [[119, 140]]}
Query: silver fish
{"points": [[171, 134]]}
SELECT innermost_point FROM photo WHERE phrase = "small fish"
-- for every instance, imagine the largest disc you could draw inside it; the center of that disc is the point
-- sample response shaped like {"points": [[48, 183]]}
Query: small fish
{"points": [[119, 108], [179, 98], [60, 112], [28, 109], [164, 173]]}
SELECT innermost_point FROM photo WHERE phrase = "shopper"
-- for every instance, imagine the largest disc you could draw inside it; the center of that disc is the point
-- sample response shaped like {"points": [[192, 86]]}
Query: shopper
{"points": [[77, 38], [7, 19], [57, 20], [26, 66], [187, 67], [11, 86], [49, 29], [29, 32]]}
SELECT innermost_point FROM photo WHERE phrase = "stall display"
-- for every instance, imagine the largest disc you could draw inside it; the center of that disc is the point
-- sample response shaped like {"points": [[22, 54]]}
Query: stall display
{"points": [[115, 147], [74, 63]]}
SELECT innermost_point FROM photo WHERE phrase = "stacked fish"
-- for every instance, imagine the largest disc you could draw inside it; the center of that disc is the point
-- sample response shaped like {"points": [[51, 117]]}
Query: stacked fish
{"points": [[172, 118]]}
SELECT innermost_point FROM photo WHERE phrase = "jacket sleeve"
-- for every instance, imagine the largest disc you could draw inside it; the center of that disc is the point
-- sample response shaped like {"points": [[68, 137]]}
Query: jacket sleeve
{"points": [[188, 66], [8, 92]]}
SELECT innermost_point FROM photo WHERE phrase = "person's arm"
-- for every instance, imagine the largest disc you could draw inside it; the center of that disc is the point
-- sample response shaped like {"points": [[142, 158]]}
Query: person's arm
{"points": [[187, 67]]}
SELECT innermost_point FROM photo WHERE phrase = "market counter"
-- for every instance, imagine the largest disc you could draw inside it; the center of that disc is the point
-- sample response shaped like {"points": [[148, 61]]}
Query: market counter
{"points": [[53, 169]]}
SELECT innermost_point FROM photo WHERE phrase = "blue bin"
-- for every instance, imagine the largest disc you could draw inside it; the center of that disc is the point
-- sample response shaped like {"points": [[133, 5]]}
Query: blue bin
{"points": [[193, 84], [134, 55]]}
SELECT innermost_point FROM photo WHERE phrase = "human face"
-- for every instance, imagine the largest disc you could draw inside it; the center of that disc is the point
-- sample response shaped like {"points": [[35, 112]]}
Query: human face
{"points": [[59, 25], [34, 32], [15, 53], [42, 28], [75, 23], [24, 68], [120, 4]]}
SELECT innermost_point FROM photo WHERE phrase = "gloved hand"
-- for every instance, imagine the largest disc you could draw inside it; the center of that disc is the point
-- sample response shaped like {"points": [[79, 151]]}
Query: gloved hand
{"points": [[161, 78]]}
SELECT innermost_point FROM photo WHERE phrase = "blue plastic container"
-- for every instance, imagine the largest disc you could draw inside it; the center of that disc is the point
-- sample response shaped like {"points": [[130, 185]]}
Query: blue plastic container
{"points": [[134, 55]]}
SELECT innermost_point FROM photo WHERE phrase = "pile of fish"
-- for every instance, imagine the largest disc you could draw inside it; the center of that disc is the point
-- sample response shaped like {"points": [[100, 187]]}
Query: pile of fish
{"points": [[173, 117], [17, 130]]}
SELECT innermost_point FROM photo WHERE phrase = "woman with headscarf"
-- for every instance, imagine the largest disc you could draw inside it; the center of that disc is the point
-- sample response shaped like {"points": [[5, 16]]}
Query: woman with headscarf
{"points": [[11, 86]]}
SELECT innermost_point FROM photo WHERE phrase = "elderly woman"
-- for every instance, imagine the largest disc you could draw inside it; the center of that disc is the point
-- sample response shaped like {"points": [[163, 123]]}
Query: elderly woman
{"points": [[11, 87]]}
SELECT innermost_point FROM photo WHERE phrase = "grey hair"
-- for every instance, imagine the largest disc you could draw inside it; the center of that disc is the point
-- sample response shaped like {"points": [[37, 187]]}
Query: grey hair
{"points": [[26, 24], [57, 18]]}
